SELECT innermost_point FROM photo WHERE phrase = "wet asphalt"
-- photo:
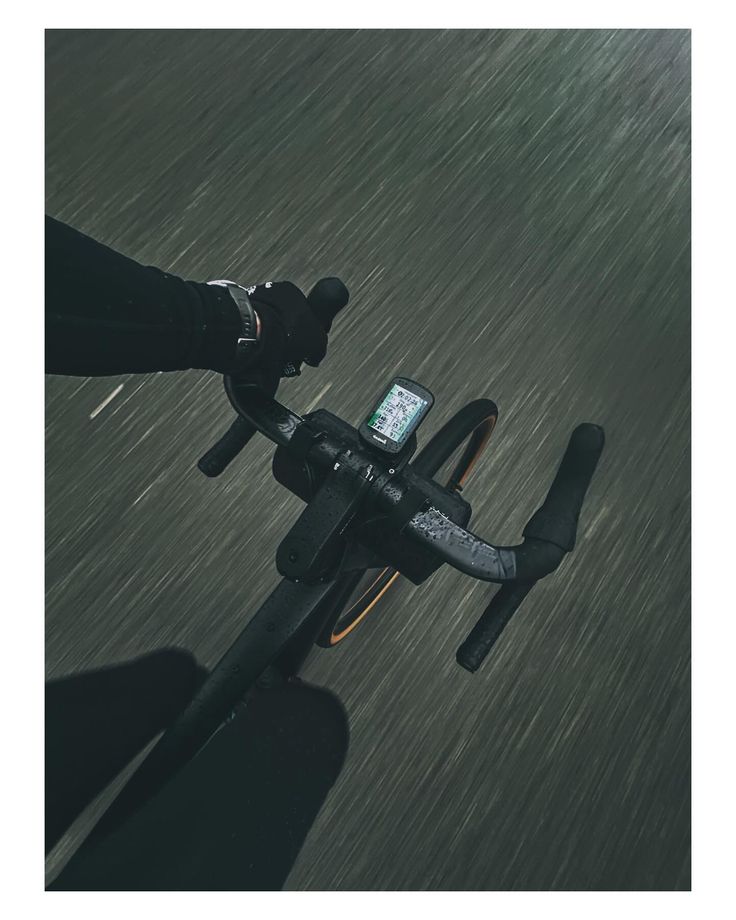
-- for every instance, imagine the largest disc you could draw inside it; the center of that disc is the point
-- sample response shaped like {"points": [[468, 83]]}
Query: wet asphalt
{"points": [[511, 212]]}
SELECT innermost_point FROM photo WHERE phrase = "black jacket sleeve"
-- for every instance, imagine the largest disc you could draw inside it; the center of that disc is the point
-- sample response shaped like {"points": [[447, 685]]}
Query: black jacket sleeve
{"points": [[107, 314]]}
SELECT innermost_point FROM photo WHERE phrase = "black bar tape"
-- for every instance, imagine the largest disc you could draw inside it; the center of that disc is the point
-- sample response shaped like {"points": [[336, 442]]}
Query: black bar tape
{"points": [[489, 627]]}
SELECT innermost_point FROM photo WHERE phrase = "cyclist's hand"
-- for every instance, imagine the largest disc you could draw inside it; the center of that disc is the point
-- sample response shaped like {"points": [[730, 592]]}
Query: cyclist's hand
{"points": [[290, 332]]}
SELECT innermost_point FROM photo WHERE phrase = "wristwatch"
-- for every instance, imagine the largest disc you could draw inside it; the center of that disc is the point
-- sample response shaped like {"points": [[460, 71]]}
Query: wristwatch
{"points": [[248, 339]]}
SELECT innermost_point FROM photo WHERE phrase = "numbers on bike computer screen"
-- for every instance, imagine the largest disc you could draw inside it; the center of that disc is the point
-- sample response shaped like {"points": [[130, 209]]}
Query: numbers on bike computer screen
{"points": [[395, 416]]}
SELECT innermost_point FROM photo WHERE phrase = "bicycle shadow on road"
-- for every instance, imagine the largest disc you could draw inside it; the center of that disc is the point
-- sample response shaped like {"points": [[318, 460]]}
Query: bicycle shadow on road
{"points": [[233, 819]]}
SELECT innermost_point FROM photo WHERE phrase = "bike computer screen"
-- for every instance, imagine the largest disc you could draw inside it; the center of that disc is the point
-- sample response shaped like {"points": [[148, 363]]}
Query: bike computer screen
{"points": [[396, 415]]}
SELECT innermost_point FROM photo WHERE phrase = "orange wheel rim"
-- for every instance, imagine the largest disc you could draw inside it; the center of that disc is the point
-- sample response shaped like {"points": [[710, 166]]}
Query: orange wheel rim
{"points": [[339, 636]]}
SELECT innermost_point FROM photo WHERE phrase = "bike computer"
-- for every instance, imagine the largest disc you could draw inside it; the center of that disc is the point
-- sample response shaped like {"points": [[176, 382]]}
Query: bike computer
{"points": [[396, 415]]}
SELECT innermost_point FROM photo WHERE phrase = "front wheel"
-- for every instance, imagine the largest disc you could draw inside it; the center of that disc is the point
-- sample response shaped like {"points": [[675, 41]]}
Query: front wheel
{"points": [[448, 458]]}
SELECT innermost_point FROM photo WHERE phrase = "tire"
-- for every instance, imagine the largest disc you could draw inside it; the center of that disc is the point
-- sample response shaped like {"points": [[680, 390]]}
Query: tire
{"points": [[356, 593]]}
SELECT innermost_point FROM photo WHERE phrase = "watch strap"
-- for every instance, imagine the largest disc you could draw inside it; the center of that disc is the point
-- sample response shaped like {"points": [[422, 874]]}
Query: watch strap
{"points": [[248, 338]]}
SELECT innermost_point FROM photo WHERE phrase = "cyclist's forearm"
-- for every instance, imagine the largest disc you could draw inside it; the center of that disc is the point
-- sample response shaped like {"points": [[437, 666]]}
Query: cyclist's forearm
{"points": [[107, 314]]}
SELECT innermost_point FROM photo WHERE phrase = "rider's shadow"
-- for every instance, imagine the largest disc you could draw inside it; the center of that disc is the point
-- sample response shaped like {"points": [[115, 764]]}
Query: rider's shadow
{"points": [[234, 818]]}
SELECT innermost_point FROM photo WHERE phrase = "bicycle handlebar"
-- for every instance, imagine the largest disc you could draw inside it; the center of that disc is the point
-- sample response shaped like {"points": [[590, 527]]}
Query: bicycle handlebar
{"points": [[227, 448], [489, 627], [549, 534], [327, 298]]}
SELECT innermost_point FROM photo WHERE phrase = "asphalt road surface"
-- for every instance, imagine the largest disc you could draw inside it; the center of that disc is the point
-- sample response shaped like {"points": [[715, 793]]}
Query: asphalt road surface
{"points": [[511, 212]]}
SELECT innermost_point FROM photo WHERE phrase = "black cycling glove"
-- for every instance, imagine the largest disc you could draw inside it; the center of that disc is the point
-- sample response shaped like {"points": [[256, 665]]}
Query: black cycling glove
{"points": [[290, 331]]}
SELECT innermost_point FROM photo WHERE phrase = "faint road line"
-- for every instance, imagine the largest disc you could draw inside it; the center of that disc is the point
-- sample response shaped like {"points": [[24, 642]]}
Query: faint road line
{"points": [[319, 396], [106, 402], [147, 489]]}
